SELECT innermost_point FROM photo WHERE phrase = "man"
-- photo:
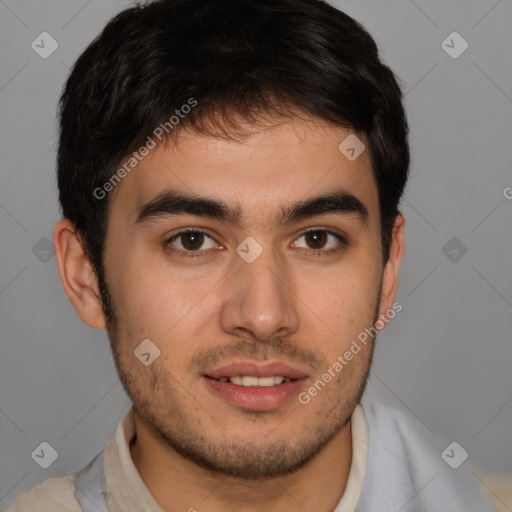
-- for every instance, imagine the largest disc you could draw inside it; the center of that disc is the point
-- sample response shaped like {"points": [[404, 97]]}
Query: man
{"points": [[230, 173]]}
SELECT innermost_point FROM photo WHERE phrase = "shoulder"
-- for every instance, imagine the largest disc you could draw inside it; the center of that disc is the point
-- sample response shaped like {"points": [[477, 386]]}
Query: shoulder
{"points": [[405, 465], [56, 494]]}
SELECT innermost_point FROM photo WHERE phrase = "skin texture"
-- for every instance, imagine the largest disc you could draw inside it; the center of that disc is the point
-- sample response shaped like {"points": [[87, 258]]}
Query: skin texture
{"points": [[290, 305]]}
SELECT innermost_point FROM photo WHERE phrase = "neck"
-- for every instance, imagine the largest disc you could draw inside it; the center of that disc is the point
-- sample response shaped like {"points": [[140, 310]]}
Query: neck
{"points": [[178, 484]]}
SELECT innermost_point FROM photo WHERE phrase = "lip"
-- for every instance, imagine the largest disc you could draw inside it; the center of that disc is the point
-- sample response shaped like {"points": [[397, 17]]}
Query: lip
{"points": [[255, 398], [257, 370]]}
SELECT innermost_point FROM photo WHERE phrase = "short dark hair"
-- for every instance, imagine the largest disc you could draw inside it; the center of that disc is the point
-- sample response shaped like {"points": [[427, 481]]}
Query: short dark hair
{"points": [[237, 59]]}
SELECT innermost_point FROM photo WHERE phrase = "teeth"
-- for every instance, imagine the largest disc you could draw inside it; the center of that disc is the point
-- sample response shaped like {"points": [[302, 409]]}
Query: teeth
{"points": [[248, 381], [251, 381]]}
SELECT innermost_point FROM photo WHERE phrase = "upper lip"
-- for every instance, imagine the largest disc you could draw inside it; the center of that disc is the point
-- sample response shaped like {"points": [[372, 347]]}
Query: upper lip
{"points": [[253, 369]]}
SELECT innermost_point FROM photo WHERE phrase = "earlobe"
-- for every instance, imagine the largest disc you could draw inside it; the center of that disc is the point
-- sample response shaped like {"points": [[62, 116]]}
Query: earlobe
{"points": [[392, 267], [77, 274]]}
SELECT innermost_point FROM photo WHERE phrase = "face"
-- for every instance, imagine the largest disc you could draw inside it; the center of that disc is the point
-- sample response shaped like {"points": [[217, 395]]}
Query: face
{"points": [[251, 266]]}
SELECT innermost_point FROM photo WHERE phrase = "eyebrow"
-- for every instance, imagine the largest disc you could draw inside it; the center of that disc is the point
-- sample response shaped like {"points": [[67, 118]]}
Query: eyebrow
{"points": [[173, 202]]}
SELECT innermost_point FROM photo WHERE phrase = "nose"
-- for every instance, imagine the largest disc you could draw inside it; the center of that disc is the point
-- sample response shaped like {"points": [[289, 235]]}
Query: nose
{"points": [[259, 302]]}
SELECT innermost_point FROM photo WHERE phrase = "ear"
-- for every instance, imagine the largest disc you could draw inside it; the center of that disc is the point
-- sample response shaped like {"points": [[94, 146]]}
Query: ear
{"points": [[77, 274], [392, 266]]}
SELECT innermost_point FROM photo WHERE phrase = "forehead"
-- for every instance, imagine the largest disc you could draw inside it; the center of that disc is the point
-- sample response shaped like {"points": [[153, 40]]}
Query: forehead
{"points": [[258, 175]]}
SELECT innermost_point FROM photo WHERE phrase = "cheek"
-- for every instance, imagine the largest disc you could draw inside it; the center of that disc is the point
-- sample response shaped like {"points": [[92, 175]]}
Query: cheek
{"points": [[344, 296], [153, 299]]}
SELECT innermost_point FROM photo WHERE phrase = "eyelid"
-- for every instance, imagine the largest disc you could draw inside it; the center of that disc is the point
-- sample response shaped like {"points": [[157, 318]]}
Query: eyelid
{"points": [[188, 230], [341, 236], [204, 232]]}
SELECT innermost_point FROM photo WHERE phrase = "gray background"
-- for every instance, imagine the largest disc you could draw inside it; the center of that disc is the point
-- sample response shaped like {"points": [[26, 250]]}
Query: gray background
{"points": [[446, 357]]}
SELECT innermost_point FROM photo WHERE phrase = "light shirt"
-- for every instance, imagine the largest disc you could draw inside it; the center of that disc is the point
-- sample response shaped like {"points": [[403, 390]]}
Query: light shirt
{"points": [[393, 468]]}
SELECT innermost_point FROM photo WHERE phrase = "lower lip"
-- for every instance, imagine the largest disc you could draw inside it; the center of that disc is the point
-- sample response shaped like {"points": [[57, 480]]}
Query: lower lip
{"points": [[255, 398]]}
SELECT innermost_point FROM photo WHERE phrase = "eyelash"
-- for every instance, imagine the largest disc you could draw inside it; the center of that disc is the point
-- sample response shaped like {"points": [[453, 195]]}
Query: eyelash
{"points": [[311, 252]]}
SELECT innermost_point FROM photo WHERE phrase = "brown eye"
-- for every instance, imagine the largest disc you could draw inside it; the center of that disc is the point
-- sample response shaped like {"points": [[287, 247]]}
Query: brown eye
{"points": [[316, 239], [320, 242], [191, 241]]}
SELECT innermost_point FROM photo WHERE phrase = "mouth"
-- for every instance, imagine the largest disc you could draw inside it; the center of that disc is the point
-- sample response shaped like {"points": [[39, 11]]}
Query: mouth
{"points": [[248, 381], [255, 387]]}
